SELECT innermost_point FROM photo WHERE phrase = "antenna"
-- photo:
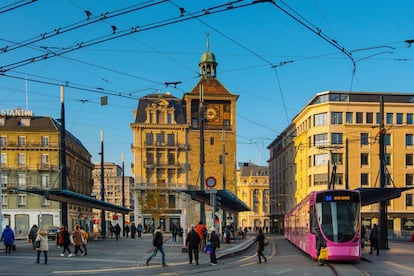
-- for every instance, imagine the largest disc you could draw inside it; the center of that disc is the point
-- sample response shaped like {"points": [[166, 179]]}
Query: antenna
{"points": [[27, 96]]}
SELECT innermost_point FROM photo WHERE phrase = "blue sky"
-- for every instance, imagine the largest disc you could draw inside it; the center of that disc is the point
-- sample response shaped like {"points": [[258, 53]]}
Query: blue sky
{"points": [[274, 60]]}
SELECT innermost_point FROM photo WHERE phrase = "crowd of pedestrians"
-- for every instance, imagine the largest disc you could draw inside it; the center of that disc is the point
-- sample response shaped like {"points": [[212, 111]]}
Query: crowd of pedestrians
{"points": [[197, 239]]}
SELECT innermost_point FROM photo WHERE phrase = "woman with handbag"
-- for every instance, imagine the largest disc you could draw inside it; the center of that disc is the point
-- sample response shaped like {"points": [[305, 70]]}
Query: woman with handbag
{"points": [[43, 245], [260, 245]]}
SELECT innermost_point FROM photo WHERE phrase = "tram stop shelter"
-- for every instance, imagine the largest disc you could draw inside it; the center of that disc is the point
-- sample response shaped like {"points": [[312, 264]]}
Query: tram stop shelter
{"points": [[375, 195], [76, 198], [226, 200]]}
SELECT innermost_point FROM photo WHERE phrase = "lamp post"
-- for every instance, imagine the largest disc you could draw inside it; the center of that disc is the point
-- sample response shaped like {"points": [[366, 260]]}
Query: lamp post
{"points": [[103, 222], [123, 193], [64, 205]]}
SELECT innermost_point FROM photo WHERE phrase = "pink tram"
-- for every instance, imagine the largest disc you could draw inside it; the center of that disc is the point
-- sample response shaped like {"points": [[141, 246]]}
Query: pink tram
{"points": [[337, 215]]}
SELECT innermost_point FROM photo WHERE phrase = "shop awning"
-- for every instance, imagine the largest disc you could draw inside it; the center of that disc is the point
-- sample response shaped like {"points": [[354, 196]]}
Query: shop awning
{"points": [[375, 195], [78, 199], [227, 200]]}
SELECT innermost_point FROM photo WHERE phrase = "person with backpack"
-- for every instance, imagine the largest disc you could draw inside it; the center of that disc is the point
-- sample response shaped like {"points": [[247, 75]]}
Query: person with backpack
{"points": [[201, 229], [157, 242]]}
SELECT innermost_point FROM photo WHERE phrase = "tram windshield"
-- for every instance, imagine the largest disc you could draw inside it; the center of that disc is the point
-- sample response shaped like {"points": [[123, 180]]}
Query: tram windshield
{"points": [[338, 219]]}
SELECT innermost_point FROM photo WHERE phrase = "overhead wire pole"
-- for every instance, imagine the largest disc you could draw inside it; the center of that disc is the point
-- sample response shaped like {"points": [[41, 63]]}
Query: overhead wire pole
{"points": [[103, 222], [202, 157], [383, 222], [64, 205], [123, 194]]}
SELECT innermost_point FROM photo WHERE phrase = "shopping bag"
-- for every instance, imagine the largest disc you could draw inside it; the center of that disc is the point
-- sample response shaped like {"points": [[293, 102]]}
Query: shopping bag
{"points": [[208, 249], [265, 241], [323, 254]]}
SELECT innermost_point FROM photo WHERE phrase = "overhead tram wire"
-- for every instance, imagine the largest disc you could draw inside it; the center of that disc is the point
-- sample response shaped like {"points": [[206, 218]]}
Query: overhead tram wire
{"points": [[98, 90], [229, 6], [110, 37], [16, 5], [308, 25], [78, 25]]}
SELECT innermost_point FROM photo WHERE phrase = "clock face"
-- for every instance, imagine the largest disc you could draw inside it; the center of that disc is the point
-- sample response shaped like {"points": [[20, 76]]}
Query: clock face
{"points": [[212, 113]]}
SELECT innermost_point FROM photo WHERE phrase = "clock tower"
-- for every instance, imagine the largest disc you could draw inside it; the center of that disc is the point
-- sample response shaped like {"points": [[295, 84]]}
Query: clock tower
{"points": [[219, 127]]}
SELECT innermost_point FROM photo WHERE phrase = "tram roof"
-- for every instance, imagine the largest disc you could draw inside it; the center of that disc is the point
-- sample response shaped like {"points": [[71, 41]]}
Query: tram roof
{"points": [[78, 199], [375, 195]]}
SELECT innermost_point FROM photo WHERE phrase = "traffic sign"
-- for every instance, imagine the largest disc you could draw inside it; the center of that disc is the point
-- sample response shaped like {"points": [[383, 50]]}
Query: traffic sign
{"points": [[211, 182]]}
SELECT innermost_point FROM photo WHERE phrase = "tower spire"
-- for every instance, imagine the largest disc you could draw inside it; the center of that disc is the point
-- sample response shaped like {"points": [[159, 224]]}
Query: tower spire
{"points": [[208, 42], [208, 62]]}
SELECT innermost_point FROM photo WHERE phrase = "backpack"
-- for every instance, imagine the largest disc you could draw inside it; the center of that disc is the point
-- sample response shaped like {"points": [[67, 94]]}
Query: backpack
{"points": [[204, 232], [157, 240]]}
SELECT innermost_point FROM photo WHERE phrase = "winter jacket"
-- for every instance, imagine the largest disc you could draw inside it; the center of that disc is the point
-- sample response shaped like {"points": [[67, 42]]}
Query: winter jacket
{"points": [[193, 240], [260, 242], [7, 236], [214, 240], [77, 237], [44, 241]]}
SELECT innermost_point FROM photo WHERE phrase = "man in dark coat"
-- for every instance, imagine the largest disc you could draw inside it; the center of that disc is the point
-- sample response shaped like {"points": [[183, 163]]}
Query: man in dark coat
{"points": [[117, 230], [373, 239], [193, 242], [215, 243]]}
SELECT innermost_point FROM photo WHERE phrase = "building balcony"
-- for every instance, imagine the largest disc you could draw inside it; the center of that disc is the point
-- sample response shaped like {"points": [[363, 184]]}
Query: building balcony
{"points": [[163, 165], [165, 145], [47, 167]]}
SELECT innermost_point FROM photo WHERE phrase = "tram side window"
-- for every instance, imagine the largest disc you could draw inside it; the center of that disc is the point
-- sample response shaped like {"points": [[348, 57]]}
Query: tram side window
{"points": [[313, 220]]}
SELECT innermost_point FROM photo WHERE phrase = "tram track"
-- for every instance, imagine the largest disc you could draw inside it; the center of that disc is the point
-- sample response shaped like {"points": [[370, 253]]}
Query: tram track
{"points": [[343, 269]]}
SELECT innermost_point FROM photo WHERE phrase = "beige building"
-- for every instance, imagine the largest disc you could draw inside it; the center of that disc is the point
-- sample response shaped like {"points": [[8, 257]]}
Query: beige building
{"points": [[337, 135], [253, 189], [114, 179], [160, 157], [167, 146], [29, 147]]}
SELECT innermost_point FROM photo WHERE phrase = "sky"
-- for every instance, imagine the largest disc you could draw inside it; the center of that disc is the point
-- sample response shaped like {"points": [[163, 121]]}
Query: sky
{"points": [[276, 55]]}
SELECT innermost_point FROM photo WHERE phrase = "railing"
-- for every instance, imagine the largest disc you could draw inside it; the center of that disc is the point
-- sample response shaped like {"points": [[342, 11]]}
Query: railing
{"points": [[167, 186]]}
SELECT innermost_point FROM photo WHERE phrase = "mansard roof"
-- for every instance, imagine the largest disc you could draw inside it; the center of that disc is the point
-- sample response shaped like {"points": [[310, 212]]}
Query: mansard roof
{"points": [[176, 103], [36, 124]]}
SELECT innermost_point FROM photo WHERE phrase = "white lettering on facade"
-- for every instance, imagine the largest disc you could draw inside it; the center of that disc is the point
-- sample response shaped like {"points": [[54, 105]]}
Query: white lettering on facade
{"points": [[16, 112]]}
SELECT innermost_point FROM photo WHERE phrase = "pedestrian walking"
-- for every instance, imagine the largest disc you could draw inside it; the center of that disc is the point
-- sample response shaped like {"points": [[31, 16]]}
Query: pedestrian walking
{"points": [[65, 236], [85, 237], [215, 243], [192, 242], [8, 238], [180, 234], [111, 229], [33, 235], [117, 230], [133, 230], [260, 245], [139, 230], [157, 242], [127, 229], [77, 240], [44, 245], [374, 239], [174, 234]]}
